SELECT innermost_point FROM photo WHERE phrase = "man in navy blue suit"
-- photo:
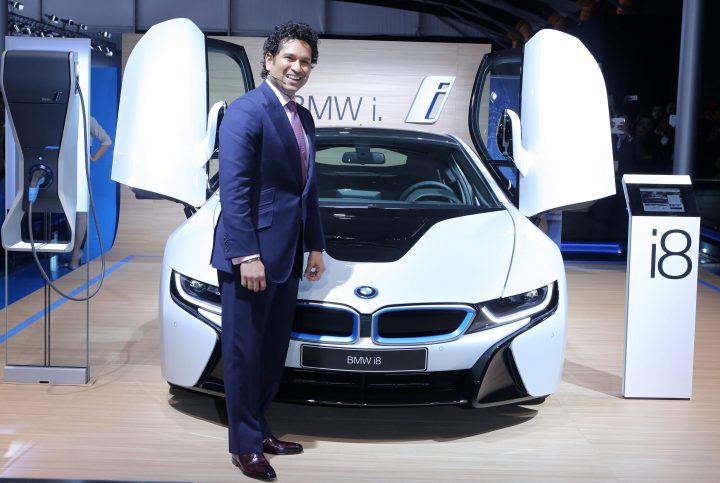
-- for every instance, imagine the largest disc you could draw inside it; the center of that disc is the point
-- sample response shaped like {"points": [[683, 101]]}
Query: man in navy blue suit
{"points": [[269, 218]]}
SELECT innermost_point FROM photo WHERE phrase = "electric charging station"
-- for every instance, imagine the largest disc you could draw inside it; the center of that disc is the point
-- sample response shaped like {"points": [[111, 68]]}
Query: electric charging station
{"points": [[43, 81], [662, 272], [43, 113]]}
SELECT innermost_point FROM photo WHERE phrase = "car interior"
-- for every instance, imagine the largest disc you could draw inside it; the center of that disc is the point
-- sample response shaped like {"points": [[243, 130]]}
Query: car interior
{"points": [[361, 173]]}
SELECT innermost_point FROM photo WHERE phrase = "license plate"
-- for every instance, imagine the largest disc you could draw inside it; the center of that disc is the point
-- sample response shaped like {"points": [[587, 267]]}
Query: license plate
{"points": [[360, 360]]}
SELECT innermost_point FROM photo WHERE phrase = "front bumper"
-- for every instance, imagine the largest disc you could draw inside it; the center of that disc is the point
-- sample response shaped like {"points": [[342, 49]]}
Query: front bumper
{"points": [[478, 370], [493, 380], [485, 368]]}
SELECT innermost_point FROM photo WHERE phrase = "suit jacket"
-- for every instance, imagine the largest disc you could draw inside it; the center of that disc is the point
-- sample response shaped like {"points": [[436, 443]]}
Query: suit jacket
{"points": [[265, 208]]}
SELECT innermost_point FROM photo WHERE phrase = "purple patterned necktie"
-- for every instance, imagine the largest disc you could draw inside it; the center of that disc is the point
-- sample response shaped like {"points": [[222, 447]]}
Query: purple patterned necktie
{"points": [[299, 137]]}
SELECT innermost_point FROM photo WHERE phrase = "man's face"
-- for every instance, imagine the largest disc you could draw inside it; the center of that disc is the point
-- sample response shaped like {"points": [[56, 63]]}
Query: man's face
{"points": [[290, 68], [643, 127]]}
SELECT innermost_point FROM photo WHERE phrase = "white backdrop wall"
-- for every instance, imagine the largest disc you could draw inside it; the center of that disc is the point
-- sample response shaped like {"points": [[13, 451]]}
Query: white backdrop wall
{"points": [[374, 83]]}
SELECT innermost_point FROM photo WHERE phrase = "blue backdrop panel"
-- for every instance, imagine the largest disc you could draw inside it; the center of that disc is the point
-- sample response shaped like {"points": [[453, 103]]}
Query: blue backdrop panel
{"points": [[104, 94], [23, 275]]}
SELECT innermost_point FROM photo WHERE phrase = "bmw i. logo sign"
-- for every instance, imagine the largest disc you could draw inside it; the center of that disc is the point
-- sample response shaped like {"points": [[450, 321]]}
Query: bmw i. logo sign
{"points": [[366, 292]]}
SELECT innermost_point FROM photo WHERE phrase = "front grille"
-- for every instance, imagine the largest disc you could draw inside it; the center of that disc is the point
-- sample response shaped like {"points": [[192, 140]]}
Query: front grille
{"points": [[325, 322], [420, 324]]}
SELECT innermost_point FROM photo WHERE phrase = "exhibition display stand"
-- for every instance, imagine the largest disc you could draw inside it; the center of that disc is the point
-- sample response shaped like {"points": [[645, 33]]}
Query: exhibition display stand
{"points": [[662, 271]]}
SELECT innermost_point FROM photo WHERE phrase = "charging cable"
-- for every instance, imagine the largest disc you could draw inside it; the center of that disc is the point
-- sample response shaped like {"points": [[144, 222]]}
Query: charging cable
{"points": [[36, 183]]}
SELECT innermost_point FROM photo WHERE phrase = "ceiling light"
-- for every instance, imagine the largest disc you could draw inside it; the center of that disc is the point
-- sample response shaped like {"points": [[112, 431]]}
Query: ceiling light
{"points": [[108, 51], [16, 5], [26, 30], [105, 35]]}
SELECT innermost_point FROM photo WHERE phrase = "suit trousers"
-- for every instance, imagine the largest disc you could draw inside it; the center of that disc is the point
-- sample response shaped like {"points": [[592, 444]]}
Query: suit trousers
{"points": [[255, 338]]}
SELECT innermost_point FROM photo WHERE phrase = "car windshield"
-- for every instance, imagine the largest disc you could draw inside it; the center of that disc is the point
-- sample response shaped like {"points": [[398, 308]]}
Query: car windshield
{"points": [[399, 172]]}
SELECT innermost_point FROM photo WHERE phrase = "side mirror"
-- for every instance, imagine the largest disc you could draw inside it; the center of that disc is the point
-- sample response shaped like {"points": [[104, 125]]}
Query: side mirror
{"points": [[509, 141], [211, 141], [504, 135]]}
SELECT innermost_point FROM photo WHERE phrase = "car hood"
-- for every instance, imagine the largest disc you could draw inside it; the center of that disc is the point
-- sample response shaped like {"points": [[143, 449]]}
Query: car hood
{"points": [[363, 233], [464, 258]]}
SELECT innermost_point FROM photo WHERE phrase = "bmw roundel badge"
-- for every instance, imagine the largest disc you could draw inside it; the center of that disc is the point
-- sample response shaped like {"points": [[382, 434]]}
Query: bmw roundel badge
{"points": [[366, 292]]}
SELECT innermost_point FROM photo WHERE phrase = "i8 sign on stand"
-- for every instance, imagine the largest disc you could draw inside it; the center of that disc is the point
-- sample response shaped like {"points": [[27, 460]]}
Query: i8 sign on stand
{"points": [[662, 264]]}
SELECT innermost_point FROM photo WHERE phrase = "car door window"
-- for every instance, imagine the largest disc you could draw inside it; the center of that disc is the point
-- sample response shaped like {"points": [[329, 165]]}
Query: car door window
{"points": [[229, 77], [497, 87]]}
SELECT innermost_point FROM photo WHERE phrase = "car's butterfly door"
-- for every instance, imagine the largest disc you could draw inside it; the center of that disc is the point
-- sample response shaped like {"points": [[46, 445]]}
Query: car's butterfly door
{"points": [[539, 119], [174, 83]]}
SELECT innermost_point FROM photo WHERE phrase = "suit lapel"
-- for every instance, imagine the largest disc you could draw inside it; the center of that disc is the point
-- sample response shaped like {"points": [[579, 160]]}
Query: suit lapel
{"points": [[281, 123]]}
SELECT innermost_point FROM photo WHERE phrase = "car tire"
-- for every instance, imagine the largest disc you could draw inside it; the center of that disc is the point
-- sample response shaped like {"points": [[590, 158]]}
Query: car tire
{"points": [[174, 388]]}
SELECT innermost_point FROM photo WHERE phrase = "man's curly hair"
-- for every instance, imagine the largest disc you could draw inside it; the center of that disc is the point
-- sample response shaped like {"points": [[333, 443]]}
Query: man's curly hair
{"points": [[289, 31]]}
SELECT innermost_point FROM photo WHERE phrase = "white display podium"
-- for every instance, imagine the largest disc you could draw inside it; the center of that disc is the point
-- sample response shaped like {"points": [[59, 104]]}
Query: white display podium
{"points": [[662, 267]]}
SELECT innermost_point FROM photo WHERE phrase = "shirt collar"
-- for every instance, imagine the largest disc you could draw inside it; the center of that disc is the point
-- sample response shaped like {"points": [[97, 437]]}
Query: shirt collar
{"points": [[281, 97]]}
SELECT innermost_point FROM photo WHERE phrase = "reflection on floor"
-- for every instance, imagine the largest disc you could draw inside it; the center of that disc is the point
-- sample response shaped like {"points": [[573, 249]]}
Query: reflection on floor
{"points": [[25, 277], [85, 283]]}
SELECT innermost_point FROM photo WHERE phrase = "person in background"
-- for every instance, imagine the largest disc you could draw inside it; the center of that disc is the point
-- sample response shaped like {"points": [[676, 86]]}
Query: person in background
{"points": [[622, 139], [636, 149], [550, 223], [646, 147], [665, 136], [657, 113], [708, 142], [98, 133]]}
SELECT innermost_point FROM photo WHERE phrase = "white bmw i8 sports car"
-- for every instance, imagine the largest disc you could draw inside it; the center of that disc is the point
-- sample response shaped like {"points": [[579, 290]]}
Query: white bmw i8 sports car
{"points": [[438, 289]]}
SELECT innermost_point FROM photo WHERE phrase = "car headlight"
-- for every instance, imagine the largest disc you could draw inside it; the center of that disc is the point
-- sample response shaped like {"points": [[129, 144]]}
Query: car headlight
{"points": [[197, 294], [513, 308]]}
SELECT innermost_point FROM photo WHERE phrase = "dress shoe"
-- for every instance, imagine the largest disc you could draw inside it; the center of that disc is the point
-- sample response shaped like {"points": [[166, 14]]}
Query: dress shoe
{"points": [[272, 445], [255, 466]]}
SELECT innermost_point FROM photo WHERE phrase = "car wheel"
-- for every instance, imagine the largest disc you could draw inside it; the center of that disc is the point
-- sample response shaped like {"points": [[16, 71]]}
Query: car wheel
{"points": [[174, 389]]}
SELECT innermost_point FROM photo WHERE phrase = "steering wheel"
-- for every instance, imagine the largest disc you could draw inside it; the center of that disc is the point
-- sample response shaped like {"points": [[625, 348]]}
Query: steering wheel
{"points": [[425, 189]]}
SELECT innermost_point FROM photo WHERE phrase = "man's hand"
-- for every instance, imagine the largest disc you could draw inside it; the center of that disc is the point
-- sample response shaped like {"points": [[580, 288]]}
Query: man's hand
{"points": [[252, 275], [315, 266]]}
